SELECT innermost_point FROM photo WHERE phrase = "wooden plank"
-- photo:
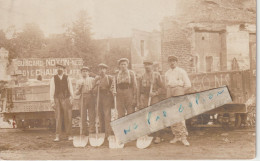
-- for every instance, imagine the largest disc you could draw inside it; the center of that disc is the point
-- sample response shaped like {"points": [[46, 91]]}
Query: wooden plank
{"points": [[168, 112]]}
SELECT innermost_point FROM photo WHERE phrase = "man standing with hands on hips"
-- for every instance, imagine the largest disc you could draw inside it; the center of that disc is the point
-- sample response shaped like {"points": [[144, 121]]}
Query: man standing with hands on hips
{"points": [[61, 96], [177, 83]]}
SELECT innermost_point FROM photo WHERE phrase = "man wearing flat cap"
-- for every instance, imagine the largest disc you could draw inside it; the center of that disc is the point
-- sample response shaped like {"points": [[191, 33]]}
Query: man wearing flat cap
{"points": [[124, 87], [177, 83], [105, 99], [150, 85], [61, 96], [148, 80], [84, 89]]}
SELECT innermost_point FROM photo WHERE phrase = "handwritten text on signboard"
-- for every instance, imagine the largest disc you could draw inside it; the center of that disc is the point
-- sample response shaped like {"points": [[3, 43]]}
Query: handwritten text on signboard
{"points": [[168, 112]]}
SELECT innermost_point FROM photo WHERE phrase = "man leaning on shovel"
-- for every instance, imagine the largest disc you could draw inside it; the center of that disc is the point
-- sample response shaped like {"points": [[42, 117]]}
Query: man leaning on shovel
{"points": [[84, 86], [105, 99], [61, 96], [150, 87]]}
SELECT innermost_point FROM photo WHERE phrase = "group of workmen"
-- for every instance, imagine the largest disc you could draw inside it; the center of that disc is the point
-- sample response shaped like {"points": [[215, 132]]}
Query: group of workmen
{"points": [[131, 94]]}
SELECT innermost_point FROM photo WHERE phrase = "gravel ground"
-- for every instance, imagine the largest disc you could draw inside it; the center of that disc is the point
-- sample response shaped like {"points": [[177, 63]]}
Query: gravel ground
{"points": [[207, 143]]}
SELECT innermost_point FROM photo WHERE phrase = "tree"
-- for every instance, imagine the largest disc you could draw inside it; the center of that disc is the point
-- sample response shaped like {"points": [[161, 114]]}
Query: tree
{"points": [[25, 43], [80, 35]]}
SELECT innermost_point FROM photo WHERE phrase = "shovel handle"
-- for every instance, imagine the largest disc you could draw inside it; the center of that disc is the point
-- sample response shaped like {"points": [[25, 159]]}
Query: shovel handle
{"points": [[81, 112], [97, 105], [150, 98], [115, 103]]}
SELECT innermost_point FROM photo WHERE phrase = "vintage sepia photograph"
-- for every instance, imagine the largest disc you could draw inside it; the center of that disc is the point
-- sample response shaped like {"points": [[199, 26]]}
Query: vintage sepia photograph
{"points": [[127, 79]]}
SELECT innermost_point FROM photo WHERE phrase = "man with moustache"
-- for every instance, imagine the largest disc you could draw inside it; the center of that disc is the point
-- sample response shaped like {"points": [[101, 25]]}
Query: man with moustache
{"points": [[148, 80], [177, 83], [125, 89], [61, 96]]}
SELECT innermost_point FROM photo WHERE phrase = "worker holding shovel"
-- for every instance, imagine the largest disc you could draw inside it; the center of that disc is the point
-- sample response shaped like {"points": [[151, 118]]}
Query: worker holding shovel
{"points": [[84, 87], [105, 99], [150, 86]]}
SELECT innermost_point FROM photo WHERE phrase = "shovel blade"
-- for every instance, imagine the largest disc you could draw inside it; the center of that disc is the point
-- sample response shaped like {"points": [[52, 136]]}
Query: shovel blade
{"points": [[113, 144], [144, 142], [96, 139], [80, 141]]}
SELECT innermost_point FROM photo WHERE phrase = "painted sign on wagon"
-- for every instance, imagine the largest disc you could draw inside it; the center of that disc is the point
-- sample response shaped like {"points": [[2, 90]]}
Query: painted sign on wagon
{"points": [[46, 67], [168, 112]]}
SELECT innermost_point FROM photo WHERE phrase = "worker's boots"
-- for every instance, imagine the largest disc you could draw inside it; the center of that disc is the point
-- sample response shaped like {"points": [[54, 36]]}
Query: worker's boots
{"points": [[70, 138], [184, 141], [57, 138], [157, 140]]}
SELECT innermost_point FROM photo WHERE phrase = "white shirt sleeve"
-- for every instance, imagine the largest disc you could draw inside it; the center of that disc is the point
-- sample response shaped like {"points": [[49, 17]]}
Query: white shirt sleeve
{"points": [[52, 89], [166, 79], [70, 88], [186, 79]]}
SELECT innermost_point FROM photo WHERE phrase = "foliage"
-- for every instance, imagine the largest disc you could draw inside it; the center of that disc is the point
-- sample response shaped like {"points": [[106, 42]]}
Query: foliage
{"points": [[76, 41]]}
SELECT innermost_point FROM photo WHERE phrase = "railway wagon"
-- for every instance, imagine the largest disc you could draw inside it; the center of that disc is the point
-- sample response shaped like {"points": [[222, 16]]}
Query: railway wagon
{"points": [[241, 85], [29, 106]]}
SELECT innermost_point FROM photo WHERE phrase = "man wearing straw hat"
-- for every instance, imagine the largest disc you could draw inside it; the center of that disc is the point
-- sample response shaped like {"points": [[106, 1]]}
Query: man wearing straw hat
{"points": [[61, 96]]}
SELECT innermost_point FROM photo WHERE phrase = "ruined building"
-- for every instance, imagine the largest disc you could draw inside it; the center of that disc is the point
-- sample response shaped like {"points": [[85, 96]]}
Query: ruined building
{"points": [[211, 35]]}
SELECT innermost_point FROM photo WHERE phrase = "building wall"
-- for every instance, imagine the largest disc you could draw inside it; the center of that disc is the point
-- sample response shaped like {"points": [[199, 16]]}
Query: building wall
{"points": [[237, 47], [145, 46], [3, 64], [208, 45], [219, 21], [175, 42]]}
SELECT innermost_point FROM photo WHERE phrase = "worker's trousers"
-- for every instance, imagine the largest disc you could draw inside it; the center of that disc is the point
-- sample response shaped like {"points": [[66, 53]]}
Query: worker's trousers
{"points": [[179, 129], [105, 104], [125, 101], [88, 110], [63, 114]]}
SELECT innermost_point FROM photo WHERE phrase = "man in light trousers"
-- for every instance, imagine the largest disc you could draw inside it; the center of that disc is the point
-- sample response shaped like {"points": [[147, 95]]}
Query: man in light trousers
{"points": [[177, 83]]}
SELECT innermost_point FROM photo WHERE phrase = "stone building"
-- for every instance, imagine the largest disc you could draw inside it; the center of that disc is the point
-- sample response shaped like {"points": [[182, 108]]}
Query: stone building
{"points": [[3, 64], [208, 35], [140, 46], [145, 45]]}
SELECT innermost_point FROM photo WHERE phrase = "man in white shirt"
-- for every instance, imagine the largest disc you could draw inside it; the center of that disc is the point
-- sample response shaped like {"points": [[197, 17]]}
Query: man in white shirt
{"points": [[177, 83], [61, 96]]}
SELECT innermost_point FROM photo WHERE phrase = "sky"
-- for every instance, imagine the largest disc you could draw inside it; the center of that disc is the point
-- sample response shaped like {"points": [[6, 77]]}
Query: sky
{"points": [[109, 18]]}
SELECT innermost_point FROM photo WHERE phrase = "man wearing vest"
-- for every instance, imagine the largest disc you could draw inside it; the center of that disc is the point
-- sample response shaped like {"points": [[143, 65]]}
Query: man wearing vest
{"points": [[61, 96], [85, 86], [105, 99], [148, 80], [125, 89], [177, 83]]}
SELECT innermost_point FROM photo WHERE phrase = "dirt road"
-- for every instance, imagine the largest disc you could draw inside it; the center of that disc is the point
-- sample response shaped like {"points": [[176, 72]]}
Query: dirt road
{"points": [[208, 143]]}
